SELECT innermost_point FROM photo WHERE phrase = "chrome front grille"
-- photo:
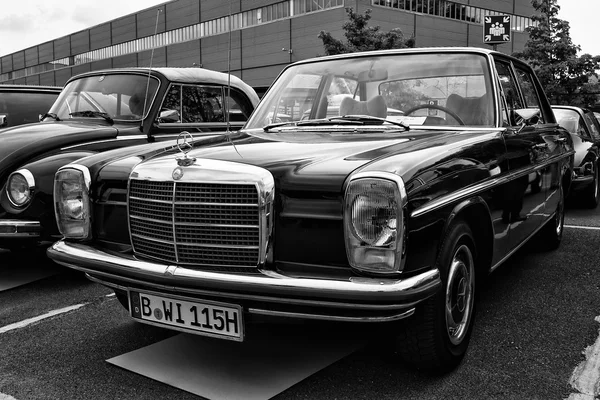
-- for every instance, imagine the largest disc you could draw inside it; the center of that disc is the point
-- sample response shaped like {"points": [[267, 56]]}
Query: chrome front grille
{"points": [[197, 223]]}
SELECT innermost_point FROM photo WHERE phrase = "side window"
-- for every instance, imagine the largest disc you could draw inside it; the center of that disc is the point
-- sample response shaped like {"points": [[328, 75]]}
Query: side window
{"points": [[173, 101], [202, 104], [511, 94], [239, 105], [594, 125], [528, 88]]}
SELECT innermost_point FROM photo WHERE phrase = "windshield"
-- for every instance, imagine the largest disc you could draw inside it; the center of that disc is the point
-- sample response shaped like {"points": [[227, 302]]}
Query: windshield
{"points": [[120, 97], [450, 89]]}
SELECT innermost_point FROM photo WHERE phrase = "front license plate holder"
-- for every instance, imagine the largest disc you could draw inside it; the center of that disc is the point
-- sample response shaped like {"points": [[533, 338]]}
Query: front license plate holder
{"points": [[200, 317]]}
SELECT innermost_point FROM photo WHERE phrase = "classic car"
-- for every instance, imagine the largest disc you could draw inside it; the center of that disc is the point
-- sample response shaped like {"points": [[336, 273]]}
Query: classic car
{"points": [[352, 217], [585, 131], [23, 104], [102, 110]]}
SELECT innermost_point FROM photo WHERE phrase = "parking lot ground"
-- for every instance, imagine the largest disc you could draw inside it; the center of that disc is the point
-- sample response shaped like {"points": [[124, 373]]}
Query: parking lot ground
{"points": [[535, 318]]}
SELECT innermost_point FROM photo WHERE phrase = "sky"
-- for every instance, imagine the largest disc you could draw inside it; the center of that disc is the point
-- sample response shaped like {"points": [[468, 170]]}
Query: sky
{"points": [[25, 23]]}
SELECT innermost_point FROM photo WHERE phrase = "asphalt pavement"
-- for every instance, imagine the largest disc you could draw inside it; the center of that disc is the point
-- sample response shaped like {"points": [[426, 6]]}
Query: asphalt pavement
{"points": [[535, 318]]}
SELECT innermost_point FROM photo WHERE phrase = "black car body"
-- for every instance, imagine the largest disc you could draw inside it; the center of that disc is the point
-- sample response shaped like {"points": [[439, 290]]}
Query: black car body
{"points": [[346, 218], [103, 110], [584, 128], [23, 104]]}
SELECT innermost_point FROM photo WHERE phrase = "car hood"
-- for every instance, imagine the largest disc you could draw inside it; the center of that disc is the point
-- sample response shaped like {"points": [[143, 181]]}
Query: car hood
{"points": [[26, 142], [313, 162]]}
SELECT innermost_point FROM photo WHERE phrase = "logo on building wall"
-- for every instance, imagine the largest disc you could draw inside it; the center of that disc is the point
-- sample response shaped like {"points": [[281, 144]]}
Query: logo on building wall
{"points": [[496, 29]]}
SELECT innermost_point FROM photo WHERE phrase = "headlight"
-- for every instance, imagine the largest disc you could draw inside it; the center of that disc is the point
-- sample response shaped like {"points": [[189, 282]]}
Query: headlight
{"points": [[72, 201], [374, 222], [20, 187]]}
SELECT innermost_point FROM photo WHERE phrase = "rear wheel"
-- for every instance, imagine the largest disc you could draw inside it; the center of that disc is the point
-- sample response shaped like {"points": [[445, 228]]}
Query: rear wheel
{"points": [[592, 194], [438, 337]]}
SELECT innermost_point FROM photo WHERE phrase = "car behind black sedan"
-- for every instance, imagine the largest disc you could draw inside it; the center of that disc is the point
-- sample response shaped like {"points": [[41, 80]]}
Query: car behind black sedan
{"points": [[584, 128], [23, 104], [103, 110]]}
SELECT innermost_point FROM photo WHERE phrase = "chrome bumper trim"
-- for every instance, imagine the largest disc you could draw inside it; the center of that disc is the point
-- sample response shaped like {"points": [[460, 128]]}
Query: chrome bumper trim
{"points": [[15, 228], [366, 293]]}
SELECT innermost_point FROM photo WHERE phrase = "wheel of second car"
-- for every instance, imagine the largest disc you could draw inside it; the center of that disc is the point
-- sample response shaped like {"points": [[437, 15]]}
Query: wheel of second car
{"points": [[592, 194], [438, 336], [551, 234]]}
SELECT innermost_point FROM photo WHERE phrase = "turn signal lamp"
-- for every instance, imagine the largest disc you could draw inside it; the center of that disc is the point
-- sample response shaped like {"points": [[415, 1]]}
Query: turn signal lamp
{"points": [[72, 201], [374, 222]]}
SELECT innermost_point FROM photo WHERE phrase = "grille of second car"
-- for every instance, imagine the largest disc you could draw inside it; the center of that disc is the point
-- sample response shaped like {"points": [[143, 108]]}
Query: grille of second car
{"points": [[197, 224]]}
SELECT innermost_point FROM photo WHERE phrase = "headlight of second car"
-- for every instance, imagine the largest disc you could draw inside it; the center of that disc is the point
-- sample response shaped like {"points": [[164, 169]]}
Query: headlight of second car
{"points": [[72, 201], [20, 187], [374, 222]]}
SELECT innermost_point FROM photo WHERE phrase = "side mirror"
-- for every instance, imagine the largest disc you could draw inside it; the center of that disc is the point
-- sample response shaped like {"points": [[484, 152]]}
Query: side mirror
{"points": [[3, 120], [169, 116], [527, 117]]}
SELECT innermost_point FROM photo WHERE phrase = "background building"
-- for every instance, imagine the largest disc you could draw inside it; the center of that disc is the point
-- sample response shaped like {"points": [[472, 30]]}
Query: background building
{"points": [[266, 35]]}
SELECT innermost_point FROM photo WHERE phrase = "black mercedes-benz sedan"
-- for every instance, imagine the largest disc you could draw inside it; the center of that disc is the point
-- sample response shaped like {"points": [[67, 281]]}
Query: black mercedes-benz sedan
{"points": [[360, 216]]}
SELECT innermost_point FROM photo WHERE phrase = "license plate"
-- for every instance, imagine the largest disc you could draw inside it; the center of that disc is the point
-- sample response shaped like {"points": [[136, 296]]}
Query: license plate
{"points": [[203, 318]]}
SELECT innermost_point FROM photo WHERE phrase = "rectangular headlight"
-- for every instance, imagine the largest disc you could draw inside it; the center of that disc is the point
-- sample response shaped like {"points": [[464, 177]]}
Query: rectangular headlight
{"points": [[374, 222], [72, 201]]}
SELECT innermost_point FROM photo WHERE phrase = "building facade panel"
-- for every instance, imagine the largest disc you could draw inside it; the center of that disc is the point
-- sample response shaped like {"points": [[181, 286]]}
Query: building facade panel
{"points": [[20, 81], [503, 6], [47, 78], [102, 64], [62, 47], [6, 63], [31, 56], [80, 69], [46, 52], [100, 36], [184, 54], [61, 76], [32, 80], [182, 13], [435, 31], [80, 42], [249, 5], [123, 29], [266, 45], [128, 60], [214, 52], [158, 59], [19, 60], [305, 32], [389, 19], [150, 21], [262, 76], [211, 9]]}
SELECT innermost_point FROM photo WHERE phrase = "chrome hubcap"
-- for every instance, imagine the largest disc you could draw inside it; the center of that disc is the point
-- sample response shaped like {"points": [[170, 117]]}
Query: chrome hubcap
{"points": [[459, 294]]}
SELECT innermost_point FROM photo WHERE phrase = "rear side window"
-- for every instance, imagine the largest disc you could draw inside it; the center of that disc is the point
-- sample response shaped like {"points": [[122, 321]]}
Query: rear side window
{"points": [[25, 107]]}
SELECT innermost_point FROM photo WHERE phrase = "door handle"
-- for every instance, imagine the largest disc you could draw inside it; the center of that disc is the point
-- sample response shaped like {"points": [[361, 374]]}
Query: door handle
{"points": [[540, 146]]}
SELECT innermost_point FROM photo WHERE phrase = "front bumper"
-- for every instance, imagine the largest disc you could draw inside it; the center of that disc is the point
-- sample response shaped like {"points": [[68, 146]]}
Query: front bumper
{"points": [[14, 228], [266, 293]]}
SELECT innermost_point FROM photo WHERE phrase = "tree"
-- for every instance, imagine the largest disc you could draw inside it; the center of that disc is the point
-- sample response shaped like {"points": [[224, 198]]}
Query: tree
{"points": [[360, 37], [550, 51]]}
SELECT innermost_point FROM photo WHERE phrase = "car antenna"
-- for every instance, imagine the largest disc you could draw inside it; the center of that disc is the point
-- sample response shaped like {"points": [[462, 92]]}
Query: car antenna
{"points": [[158, 11], [227, 97]]}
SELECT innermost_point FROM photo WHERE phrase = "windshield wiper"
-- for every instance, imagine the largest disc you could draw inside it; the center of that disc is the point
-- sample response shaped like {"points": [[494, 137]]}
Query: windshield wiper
{"points": [[311, 122], [51, 115], [90, 113], [365, 119]]}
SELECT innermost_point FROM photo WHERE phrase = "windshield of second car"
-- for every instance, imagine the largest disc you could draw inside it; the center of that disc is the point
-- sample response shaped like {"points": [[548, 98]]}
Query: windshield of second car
{"points": [[120, 97], [451, 89]]}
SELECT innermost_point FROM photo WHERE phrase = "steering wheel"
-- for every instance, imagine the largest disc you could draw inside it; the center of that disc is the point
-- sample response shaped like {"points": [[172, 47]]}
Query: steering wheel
{"points": [[436, 107]]}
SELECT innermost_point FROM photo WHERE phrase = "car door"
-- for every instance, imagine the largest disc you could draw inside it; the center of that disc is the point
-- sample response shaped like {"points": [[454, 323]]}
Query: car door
{"points": [[201, 110], [529, 149]]}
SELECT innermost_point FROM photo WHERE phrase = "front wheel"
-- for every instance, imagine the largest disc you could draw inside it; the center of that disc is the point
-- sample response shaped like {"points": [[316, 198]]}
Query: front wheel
{"points": [[438, 337]]}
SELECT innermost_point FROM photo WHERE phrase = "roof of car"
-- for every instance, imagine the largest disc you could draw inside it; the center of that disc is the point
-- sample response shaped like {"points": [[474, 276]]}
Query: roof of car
{"points": [[184, 75], [416, 50], [29, 88]]}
